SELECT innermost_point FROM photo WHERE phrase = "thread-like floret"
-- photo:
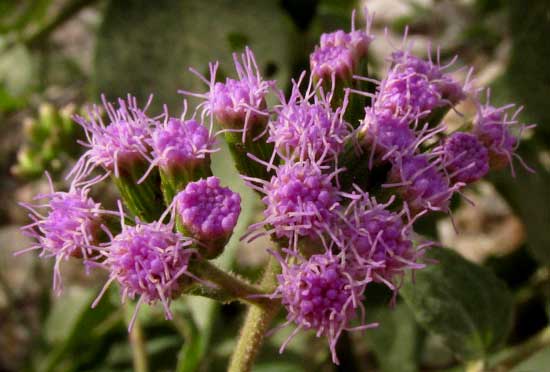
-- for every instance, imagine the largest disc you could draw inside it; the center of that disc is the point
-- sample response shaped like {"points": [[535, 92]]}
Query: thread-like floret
{"points": [[180, 143], [236, 103], [148, 260], [320, 295], [303, 130], [465, 158], [331, 60], [421, 183], [70, 227], [299, 200], [118, 144]]}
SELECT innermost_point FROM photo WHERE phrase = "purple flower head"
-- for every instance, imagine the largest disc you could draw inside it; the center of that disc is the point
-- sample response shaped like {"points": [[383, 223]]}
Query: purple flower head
{"points": [[66, 224], [118, 144], [387, 136], [492, 126], [356, 41], [238, 104], [465, 158], [300, 200], [308, 130], [181, 144], [331, 60], [148, 260], [421, 183], [207, 210], [320, 295], [377, 242], [413, 88]]}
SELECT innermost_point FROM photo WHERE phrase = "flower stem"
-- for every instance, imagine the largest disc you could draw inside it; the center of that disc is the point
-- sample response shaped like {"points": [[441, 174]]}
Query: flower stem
{"points": [[256, 323], [234, 287], [139, 353]]}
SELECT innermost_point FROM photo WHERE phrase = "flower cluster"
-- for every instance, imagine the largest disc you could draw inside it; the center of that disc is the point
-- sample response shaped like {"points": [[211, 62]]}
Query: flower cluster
{"points": [[343, 181]]}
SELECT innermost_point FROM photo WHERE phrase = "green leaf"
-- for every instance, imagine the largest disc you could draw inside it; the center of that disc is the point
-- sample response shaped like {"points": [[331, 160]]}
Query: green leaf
{"points": [[527, 80], [71, 328], [146, 47], [537, 362], [463, 303], [395, 341]]}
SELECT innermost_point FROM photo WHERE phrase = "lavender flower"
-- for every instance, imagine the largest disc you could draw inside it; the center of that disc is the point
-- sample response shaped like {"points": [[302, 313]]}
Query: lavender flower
{"points": [[308, 130], [465, 158], [70, 227], [339, 53], [119, 144], [421, 183], [414, 88], [300, 200], [377, 242], [149, 261], [492, 127], [181, 144], [326, 62], [209, 212], [320, 295], [237, 104]]}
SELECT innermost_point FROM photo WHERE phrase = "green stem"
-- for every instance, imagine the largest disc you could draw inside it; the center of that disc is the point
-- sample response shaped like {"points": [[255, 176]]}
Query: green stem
{"points": [[139, 352], [234, 287], [256, 324]]}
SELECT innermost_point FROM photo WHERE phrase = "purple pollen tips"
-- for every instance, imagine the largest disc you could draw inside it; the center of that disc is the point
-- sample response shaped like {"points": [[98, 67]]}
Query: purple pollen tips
{"points": [[148, 260], [207, 210], [377, 242], [421, 183], [123, 141], [320, 295], [180, 143], [492, 126], [329, 61], [300, 200], [465, 158], [70, 228], [304, 130]]}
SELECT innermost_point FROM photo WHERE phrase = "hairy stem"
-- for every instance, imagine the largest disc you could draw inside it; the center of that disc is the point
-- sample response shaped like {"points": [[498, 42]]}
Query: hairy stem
{"points": [[139, 353], [256, 323], [234, 287]]}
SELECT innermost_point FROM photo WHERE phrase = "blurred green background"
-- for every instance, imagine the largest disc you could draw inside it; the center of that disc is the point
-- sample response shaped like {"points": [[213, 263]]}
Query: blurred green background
{"points": [[58, 55]]}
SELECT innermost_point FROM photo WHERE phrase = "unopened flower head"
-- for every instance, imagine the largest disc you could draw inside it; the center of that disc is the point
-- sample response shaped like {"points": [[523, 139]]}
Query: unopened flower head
{"points": [[465, 158], [308, 130], [320, 295], [148, 261], [65, 224], [120, 143], [181, 144], [422, 183], [207, 210], [299, 200], [237, 103]]}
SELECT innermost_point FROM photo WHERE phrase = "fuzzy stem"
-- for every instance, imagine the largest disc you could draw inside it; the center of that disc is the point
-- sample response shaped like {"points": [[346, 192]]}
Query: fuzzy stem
{"points": [[234, 287], [139, 352], [256, 323]]}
